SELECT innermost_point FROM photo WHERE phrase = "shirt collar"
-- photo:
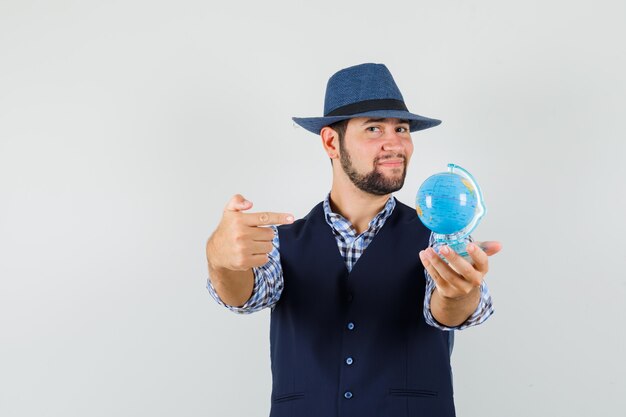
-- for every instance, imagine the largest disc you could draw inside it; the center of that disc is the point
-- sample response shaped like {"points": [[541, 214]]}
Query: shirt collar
{"points": [[379, 219]]}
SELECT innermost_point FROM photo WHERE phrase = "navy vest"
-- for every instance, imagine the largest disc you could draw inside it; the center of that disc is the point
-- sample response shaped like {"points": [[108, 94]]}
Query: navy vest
{"points": [[355, 344]]}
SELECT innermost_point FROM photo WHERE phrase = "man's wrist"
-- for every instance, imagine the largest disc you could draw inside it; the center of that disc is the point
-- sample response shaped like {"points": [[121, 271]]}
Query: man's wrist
{"points": [[453, 312], [474, 294], [213, 265]]}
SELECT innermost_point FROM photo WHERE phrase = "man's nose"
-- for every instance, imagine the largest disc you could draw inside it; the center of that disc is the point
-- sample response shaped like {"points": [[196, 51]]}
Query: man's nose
{"points": [[393, 140]]}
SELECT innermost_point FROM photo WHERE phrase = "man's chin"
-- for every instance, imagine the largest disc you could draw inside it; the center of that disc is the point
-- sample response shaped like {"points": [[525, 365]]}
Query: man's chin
{"points": [[391, 187], [397, 183], [394, 174]]}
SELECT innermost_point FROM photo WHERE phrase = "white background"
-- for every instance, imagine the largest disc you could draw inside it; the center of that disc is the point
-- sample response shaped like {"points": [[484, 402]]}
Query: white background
{"points": [[125, 127]]}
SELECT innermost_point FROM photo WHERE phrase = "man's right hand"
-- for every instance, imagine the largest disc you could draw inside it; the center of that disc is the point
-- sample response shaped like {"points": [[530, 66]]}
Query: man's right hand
{"points": [[239, 243]]}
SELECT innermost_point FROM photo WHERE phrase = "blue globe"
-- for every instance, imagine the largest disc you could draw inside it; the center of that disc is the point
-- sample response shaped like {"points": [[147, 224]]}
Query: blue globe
{"points": [[446, 203]]}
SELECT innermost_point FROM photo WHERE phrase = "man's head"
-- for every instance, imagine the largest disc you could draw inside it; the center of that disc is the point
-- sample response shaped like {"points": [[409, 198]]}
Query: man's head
{"points": [[373, 153], [366, 127]]}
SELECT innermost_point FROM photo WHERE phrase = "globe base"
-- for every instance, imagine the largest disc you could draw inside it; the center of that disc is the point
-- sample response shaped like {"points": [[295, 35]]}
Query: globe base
{"points": [[456, 242]]}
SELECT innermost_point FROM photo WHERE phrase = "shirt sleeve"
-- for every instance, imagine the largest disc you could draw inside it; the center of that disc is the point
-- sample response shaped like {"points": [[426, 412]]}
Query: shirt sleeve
{"points": [[268, 284], [482, 312]]}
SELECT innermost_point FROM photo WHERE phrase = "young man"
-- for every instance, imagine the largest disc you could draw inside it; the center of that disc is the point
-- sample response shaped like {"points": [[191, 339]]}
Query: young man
{"points": [[355, 328]]}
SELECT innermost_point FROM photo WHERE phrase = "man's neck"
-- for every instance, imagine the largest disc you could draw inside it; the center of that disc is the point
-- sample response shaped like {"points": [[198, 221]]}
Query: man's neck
{"points": [[357, 206]]}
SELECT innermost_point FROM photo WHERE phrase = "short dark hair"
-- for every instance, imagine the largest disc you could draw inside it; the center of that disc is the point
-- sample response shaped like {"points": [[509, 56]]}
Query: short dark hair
{"points": [[340, 128]]}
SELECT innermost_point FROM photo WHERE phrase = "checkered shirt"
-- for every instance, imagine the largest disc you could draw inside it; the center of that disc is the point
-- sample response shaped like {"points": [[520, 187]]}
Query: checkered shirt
{"points": [[268, 279]]}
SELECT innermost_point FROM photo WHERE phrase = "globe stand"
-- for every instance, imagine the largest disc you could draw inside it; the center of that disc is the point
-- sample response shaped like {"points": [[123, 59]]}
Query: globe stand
{"points": [[457, 242]]}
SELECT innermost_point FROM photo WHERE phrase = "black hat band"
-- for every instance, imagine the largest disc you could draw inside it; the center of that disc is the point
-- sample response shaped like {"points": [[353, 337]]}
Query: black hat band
{"points": [[368, 105]]}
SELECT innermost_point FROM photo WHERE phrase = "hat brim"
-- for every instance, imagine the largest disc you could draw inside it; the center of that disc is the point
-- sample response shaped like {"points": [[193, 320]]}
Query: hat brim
{"points": [[416, 122]]}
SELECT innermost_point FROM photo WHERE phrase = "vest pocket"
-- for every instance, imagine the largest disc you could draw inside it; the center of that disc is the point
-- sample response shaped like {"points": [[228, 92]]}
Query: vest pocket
{"points": [[410, 402], [403, 392], [287, 397]]}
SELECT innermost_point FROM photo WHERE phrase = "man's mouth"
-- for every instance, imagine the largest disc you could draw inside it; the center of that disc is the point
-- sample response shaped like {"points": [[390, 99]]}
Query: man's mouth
{"points": [[391, 163]]}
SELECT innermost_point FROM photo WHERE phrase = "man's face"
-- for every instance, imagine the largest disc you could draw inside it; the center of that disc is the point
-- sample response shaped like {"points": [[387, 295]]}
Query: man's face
{"points": [[375, 153]]}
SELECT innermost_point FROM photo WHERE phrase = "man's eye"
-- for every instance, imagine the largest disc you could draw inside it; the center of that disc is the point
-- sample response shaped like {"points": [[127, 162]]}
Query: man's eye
{"points": [[373, 129], [402, 129]]}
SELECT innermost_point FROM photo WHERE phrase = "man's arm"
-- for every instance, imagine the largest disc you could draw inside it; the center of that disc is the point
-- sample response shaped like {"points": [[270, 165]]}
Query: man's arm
{"points": [[454, 312], [243, 259], [266, 289], [456, 295], [483, 310]]}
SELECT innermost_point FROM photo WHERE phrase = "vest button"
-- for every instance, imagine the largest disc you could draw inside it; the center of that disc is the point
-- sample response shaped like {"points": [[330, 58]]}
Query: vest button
{"points": [[350, 326], [349, 361], [347, 394]]}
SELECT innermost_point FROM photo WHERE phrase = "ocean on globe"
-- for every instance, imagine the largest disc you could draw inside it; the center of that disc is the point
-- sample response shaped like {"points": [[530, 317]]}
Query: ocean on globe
{"points": [[446, 203]]}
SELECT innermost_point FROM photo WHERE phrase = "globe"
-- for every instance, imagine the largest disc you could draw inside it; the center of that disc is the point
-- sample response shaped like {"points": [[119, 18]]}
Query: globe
{"points": [[446, 203], [450, 204]]}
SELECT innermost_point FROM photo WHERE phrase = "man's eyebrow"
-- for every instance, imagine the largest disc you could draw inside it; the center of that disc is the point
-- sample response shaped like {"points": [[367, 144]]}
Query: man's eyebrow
{"points": [[382, 119]]}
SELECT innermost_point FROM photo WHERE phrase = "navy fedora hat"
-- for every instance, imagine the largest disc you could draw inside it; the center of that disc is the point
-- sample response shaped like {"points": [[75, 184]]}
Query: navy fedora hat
{"points": [[365, 90]]}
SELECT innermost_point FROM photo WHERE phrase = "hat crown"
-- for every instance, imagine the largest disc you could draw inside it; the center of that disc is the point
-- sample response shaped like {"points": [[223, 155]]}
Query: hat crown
{"points": [[359, 83]]}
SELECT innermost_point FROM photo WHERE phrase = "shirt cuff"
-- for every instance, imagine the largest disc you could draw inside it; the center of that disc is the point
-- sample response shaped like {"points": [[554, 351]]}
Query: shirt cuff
{"points": [[483, 311], [247, 307]]}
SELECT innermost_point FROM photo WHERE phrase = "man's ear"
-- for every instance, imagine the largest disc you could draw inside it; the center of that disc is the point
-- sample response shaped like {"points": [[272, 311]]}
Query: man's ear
{"points": [[330, 141]]}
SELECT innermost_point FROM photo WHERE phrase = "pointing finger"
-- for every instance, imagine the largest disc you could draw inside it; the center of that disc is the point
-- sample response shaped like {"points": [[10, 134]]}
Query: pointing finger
{"points": [[238, 203], [266, 218]]}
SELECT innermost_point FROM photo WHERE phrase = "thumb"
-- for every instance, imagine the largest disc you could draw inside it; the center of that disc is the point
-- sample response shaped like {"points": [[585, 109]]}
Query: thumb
{"points": [[491, 247], [238, 203]]}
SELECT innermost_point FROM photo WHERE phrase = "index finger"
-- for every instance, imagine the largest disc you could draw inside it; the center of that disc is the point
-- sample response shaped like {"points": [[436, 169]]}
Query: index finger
{"points": [[266, 218]]}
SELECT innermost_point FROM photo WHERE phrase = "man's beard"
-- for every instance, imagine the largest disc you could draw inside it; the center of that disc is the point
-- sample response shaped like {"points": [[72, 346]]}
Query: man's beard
{"points": [[373, 182]]}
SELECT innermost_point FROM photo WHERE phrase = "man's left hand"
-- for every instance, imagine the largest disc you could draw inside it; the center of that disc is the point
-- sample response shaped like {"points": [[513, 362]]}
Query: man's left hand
{"points": [[460, 278]]}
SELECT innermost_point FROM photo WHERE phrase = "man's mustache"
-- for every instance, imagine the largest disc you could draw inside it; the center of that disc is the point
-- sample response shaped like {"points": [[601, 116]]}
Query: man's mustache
{"points": [[380, 160]]}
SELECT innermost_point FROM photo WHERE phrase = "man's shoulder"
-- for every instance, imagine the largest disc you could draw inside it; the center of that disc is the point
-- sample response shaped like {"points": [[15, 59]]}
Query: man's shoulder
{"points": [[400, 205], [314, 214], [407, 220], [406, 212]]}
